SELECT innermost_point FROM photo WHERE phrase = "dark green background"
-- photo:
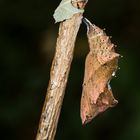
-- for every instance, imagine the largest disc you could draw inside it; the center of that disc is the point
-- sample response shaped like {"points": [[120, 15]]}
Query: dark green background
{"points": [[27, 45]]}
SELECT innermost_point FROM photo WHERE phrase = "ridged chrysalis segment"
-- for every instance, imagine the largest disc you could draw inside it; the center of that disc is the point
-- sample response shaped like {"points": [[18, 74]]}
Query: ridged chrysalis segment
{"points": [[101, 63]]}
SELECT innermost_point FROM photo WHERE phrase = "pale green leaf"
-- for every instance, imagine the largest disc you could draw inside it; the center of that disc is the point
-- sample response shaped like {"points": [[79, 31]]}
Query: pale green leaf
{"points": [[65, 10]]}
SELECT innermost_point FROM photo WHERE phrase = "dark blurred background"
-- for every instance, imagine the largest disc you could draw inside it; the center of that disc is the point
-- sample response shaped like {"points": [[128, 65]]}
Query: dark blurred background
{"points": [[27, 45]]}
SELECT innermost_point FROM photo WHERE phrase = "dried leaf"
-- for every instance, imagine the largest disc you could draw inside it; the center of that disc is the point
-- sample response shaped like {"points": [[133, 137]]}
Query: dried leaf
{"points": [[101, 63], [67, 8]]}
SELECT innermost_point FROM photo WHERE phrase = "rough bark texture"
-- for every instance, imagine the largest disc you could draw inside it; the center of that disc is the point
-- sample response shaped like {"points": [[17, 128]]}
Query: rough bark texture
{"points": [[58, 77]]}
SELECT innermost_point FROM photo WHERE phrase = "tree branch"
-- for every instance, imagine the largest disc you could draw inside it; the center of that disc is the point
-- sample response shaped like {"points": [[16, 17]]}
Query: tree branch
{"points": [[58, 77]]}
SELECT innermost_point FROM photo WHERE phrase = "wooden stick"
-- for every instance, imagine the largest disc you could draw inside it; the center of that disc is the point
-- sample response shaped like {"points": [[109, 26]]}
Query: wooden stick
{"points": [[58, 77]]}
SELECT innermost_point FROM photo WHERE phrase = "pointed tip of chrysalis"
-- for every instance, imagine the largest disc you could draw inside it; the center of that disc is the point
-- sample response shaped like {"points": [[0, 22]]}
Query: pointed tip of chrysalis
{"points": [[85, 121], [85, 118]]}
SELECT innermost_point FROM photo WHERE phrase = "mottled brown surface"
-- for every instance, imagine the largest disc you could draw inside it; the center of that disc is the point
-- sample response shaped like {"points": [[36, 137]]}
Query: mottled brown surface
{"points": [[58, 77], [101, 63]]}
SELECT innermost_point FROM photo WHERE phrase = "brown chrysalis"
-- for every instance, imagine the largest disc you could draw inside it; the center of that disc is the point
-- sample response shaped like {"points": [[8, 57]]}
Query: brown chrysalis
{"points": [[101, 64]]}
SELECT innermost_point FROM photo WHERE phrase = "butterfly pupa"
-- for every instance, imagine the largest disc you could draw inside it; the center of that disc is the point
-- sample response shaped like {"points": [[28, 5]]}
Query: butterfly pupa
{"points": [[101, 63]]}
